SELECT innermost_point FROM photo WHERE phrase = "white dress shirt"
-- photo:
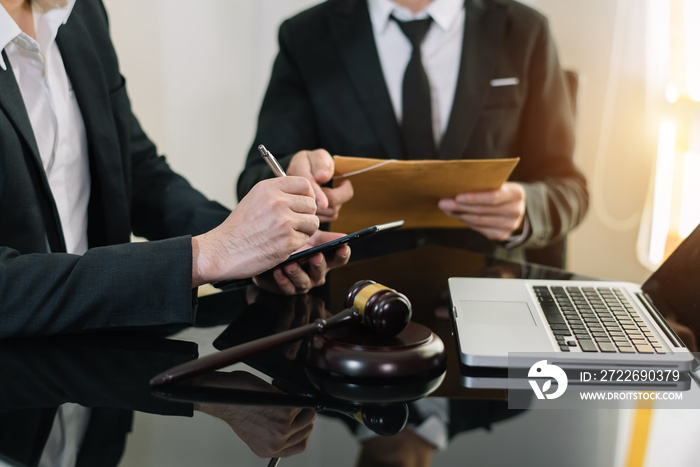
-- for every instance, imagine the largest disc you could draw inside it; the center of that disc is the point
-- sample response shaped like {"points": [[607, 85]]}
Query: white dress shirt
{"points": [[441, 51], [59, 132]]}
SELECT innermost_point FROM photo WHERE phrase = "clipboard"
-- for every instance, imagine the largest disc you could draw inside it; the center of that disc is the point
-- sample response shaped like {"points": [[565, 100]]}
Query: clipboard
{"points": [[410, 190]]}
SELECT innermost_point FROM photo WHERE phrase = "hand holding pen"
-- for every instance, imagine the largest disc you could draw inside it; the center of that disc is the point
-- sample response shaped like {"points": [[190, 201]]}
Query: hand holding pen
{"points": [[276, 218], [292, 278]]}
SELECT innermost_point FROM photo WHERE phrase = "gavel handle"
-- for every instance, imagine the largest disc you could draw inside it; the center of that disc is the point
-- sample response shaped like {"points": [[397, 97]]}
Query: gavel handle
{"points": [[241, 352]]}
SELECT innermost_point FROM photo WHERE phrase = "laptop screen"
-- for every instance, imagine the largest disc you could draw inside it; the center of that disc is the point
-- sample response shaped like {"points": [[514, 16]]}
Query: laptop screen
{"points": [[675, 286]]}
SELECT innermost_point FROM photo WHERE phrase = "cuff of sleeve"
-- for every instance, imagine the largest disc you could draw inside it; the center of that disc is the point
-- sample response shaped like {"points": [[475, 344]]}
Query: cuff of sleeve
{"points": [[520, 238]]}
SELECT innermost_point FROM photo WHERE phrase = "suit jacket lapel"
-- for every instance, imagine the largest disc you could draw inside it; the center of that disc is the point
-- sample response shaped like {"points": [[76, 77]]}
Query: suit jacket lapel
{"points": [[483, 26], [352, 31], [12, 104], [83, 66]]}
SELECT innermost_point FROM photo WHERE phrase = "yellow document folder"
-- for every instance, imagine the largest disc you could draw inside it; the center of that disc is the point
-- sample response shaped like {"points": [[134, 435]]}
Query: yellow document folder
{"points": [[388, 190]]}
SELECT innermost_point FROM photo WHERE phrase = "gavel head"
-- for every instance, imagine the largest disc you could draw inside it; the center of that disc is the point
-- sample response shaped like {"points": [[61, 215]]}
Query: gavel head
{"points": [[383, 310], [384, 420]]}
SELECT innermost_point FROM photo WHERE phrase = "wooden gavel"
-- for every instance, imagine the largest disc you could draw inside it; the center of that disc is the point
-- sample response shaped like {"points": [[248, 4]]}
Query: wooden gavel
{"points": [[377, 307]]}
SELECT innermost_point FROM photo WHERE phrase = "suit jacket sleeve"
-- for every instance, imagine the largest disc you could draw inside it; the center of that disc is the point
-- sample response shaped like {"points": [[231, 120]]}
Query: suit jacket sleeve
{"points": [[556, 193]]}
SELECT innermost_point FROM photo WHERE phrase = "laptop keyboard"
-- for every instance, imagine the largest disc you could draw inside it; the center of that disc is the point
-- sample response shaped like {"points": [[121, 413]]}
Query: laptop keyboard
{"points": [[595, 319]]}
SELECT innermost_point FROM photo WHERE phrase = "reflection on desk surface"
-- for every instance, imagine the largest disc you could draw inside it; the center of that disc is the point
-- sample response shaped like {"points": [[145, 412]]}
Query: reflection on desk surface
{"points": [[108, 373]]}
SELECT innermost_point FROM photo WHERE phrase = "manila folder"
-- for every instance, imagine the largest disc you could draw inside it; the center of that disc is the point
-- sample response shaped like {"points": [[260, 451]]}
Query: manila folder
{"points": [[388, 190]]}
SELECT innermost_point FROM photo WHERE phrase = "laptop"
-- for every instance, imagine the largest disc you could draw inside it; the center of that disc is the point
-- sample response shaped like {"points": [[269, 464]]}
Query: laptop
{"points": [[581, 323]]}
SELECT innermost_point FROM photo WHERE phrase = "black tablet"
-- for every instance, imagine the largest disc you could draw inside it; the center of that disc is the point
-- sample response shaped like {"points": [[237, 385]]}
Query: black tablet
{"points": [[335, 244]]}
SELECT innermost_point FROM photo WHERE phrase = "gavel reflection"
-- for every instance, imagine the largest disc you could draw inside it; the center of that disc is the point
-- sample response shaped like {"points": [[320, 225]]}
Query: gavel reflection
{"points": [[383, 310]]}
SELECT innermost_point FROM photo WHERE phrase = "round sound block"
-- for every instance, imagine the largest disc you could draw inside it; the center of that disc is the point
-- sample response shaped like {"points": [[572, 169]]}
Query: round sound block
{"points": [[356, 352], [374, 391]]}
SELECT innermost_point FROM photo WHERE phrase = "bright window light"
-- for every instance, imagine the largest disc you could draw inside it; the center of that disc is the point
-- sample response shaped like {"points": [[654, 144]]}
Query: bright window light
{"points": [[691, 15], [672, 94], [663, 192], [672, 207], [690, 203]]}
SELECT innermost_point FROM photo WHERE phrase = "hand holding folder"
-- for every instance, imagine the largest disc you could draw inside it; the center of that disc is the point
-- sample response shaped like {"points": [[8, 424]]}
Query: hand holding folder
{"points": [[410, 190]]}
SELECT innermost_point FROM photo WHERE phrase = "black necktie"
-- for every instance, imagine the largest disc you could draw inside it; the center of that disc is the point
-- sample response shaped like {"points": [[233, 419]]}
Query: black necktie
{"points": [[417, 122]]}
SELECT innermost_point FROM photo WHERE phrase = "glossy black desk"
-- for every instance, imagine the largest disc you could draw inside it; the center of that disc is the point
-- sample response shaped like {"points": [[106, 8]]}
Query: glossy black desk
{"points": [[110, 373]]}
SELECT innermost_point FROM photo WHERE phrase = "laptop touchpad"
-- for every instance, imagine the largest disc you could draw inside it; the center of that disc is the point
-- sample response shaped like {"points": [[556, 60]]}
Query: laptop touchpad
{"points": [[491, 313]]}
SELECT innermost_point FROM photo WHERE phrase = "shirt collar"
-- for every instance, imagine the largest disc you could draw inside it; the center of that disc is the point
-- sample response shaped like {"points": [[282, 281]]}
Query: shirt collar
{"points": [[9, 29], [443, 12]]}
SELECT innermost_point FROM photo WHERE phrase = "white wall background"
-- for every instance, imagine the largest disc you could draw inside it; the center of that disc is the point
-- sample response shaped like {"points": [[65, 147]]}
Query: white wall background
{"points": [[605, 41], [196, 72]]}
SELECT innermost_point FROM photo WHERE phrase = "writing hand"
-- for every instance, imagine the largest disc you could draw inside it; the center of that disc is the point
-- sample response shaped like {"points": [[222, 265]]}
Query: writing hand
{"points": [[276, 218]]}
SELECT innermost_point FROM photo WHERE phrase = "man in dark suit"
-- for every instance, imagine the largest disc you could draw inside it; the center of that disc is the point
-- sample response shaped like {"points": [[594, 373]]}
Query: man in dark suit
{"points": [[78, 176], [497, 91]]}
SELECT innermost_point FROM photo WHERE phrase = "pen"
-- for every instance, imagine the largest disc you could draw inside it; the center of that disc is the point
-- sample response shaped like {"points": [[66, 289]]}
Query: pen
{"points": [[271, 161]]}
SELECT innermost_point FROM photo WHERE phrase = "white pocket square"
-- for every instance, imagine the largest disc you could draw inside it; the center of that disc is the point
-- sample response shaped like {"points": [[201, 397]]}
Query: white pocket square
{"points": [[505, 81]]}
